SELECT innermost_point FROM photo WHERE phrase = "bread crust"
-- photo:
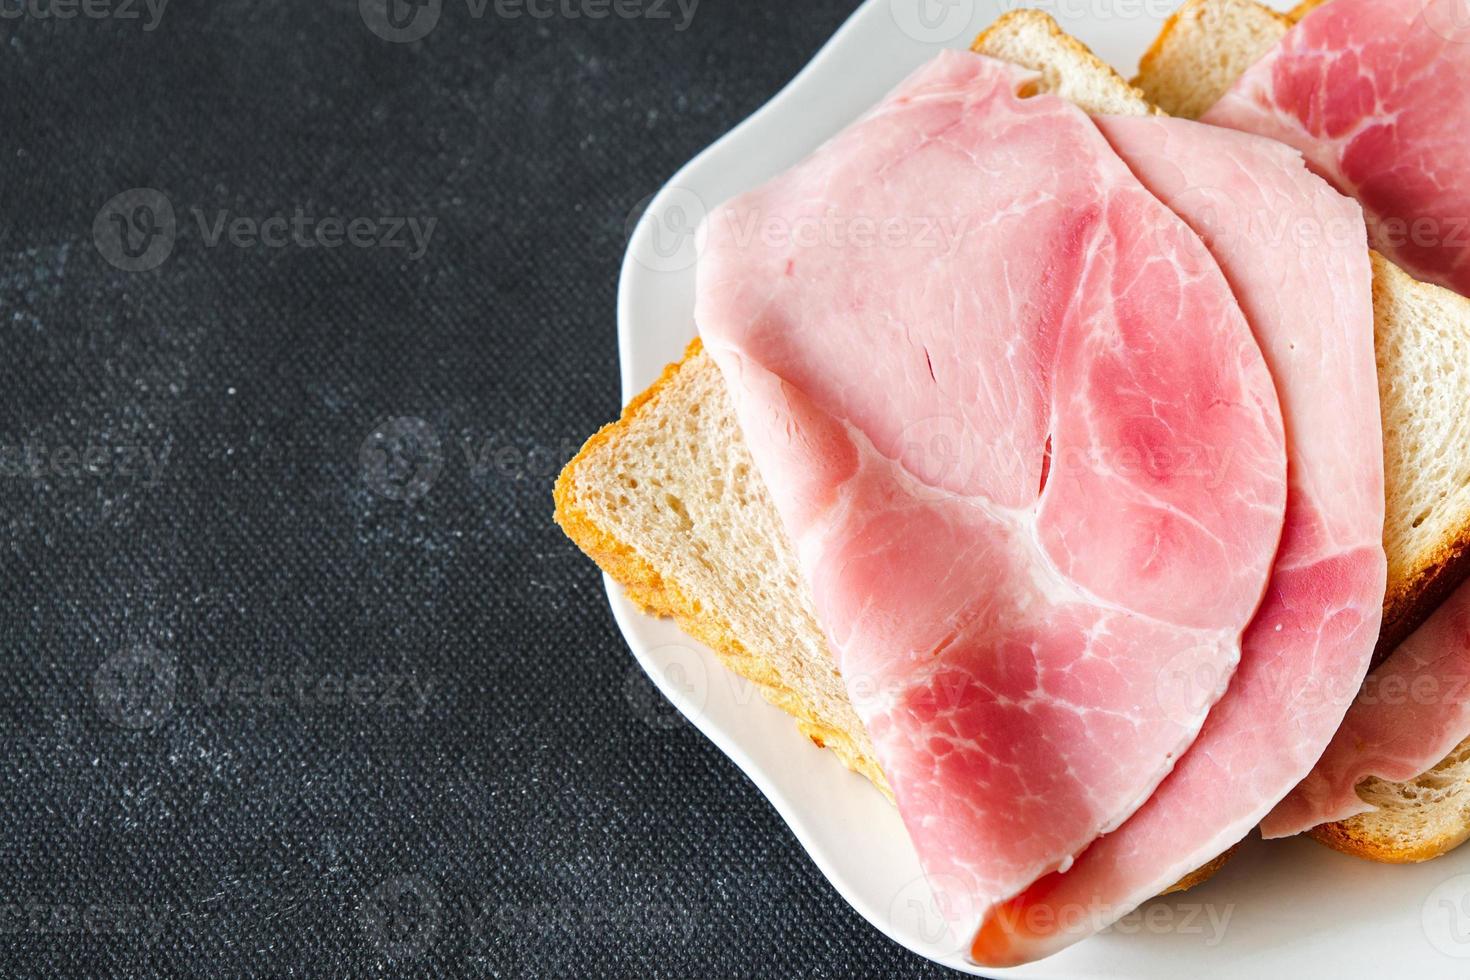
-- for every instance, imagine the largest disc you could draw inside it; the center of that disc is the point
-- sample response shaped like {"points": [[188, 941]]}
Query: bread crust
{"points": [[1148, 63], [639, 579], [1027, 19], [1203, 873], [1415, 599], [1018, 22], [1351, 836], [659, 596]]}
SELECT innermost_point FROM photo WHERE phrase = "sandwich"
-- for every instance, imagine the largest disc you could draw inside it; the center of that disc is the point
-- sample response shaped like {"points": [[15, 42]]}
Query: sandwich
{"points": [[673, 503]]}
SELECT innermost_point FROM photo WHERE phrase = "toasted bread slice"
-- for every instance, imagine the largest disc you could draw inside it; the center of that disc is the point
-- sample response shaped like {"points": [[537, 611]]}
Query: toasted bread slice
{"points": [[1031, 39], [1423, 346], [1415, 821], [1203, 48], [1422, 336], [668, 502]]}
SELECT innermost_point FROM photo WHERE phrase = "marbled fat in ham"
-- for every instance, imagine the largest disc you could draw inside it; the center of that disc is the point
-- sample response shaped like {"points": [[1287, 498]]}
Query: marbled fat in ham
{"points": [[1032, 462], [1376, 94], [1293, 250]]}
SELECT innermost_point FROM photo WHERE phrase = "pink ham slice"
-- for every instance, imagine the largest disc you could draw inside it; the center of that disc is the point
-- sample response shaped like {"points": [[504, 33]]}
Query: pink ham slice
{"points": [[1414, 709], [1295, 252], [1027, 450], [1373, 92]]}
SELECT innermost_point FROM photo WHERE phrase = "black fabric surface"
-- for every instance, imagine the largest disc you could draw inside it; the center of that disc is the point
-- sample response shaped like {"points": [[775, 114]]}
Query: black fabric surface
{"points": [[288, 691]]}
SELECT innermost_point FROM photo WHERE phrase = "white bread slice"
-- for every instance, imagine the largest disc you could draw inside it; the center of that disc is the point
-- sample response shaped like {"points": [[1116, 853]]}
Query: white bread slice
{"points": [[1203, 48], [1415, 821], [668, 502], [1423, 348], [1068, 68]]}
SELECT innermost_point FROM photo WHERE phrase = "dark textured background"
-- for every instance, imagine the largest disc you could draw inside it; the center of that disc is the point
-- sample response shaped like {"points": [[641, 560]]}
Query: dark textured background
{"points": [[190, 495]]}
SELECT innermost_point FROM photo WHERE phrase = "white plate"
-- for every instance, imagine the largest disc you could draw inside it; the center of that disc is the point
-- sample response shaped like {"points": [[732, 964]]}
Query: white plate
{"points": [[1287, 909]]}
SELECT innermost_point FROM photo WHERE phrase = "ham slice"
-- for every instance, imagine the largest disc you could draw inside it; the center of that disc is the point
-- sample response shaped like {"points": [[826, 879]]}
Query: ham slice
{"points": [[1373, 92], [1027, 450], [1414, 709], [1294, 251]]}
